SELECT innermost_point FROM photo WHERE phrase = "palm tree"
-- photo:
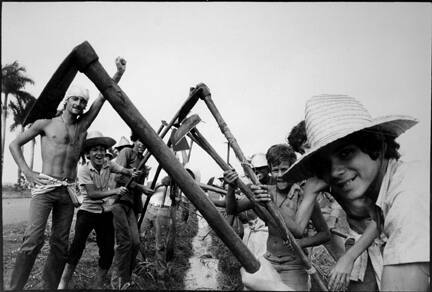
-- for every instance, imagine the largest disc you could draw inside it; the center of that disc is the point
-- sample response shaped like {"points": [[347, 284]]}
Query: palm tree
{"points": [[13, 81], [20, 107]]}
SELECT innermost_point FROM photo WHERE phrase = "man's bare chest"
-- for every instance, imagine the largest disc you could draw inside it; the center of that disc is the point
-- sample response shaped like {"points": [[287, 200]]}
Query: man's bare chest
{"points": [[64, 134]]}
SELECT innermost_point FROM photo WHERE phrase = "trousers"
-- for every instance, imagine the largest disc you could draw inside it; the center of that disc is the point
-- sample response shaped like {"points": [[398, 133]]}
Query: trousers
{"points": [[126, 244], [102, 224], [41, 205]]}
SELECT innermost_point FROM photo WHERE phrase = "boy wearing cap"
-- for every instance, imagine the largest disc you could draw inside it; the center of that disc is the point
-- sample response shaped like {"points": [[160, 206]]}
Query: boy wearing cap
{"points": [[93, 179], [61, 140], [357, 158], [287, 198]]}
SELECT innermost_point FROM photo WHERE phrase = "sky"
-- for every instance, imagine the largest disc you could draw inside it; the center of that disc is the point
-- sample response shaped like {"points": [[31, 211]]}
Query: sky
{"points": [[261, 62]]}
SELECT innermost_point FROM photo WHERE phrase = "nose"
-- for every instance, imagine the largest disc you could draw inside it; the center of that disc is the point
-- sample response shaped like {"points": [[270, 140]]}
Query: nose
{"points": [[336, 169]]}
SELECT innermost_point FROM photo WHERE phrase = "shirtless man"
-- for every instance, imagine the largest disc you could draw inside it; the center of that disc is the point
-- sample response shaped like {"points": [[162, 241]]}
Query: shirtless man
{"points": [[62, 138]]}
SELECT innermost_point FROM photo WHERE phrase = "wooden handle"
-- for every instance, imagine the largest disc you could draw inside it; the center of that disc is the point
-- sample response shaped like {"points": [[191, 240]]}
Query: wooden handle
{"points": [[130, 114], [270, 206]]}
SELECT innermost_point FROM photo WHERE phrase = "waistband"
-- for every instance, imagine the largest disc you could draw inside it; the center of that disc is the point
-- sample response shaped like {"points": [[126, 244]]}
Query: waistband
{"points": [[159, 205]]}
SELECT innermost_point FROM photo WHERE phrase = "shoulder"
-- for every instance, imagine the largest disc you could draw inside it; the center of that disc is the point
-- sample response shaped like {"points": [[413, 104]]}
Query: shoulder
{"points": [[83, 168], [405, 182], [42, 123], [408, 176]]}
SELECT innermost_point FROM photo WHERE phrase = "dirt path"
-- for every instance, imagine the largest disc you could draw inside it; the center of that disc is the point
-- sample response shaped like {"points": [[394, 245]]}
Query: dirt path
{"points": [[203, 272]]}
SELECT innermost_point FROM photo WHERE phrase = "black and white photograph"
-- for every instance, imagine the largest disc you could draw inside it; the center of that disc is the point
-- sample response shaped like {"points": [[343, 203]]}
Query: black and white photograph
{"points": [[221, 146]]}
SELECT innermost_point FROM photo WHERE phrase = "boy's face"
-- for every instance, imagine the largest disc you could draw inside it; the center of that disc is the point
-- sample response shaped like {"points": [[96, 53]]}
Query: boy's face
{"points": [[262, 173], [76, 104], [139, 147], [277, 171], [349, 171], [97, 155]]}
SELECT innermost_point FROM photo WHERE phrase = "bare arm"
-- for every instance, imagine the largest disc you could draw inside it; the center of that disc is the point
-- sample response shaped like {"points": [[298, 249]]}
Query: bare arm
{"points": [[323, 233], [35, 129], [311, 189], [340, 274], [95, 194], [234, 206], [88, 118]]}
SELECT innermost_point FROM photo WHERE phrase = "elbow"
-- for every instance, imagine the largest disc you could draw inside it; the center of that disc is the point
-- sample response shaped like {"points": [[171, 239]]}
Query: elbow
{"points": [[297, 232], [12, 146]]}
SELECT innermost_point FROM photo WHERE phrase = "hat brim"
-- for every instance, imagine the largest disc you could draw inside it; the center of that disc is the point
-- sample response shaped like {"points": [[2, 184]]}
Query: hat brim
{"points": [[390, 125], [104, 141], [122, 146]]}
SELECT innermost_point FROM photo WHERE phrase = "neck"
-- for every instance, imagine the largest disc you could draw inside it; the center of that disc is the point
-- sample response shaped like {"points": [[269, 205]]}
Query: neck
{"points": [[68, 117], [97, 167], [375, 187]]}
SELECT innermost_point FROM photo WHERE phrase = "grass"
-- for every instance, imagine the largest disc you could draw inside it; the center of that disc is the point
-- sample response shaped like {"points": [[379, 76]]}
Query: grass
{"points": [[144, 275]]}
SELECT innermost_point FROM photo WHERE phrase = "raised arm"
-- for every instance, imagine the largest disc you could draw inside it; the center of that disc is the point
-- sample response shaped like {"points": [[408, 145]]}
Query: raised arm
{"points": [[35, 129], [323, 233], [311, 189], [88, 118]]}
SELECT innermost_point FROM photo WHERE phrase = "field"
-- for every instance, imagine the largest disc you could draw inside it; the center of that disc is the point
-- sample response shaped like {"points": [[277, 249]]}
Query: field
{"points": [[144, 276]]}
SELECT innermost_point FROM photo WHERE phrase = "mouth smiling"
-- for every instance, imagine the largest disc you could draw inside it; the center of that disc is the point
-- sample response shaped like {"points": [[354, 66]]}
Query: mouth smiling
{"points": [[346, 184]]}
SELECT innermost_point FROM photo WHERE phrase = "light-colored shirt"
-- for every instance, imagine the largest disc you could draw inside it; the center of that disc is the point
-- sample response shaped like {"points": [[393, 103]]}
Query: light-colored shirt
{"points": [[404, 201], [88, 175], [158, 197]]}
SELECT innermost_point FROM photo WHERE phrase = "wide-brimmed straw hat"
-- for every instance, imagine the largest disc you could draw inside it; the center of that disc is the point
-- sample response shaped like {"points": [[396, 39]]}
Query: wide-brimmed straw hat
{"points": [[95, 138], [124, 142], [329, 118]]}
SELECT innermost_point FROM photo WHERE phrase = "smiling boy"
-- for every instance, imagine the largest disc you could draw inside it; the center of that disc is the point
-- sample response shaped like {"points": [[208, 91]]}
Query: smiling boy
{"points": [[93, 178], [356, 156], [287, 198]]}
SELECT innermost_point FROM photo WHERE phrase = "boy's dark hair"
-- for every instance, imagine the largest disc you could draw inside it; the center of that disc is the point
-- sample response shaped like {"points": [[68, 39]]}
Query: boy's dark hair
{"points": [[297, 137], [373, 143], [278, 153]]}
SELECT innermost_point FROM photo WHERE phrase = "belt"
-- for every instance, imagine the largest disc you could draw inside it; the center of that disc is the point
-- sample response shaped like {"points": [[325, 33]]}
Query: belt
{"points": [[159, 205]]}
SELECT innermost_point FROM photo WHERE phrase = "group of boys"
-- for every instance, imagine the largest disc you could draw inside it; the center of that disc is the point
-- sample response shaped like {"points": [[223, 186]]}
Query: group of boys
{"points": [[346, 156], [351, 159]]}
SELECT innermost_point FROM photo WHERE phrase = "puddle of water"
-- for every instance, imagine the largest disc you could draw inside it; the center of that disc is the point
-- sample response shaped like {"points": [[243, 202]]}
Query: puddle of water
{"points": [[203, 271]]}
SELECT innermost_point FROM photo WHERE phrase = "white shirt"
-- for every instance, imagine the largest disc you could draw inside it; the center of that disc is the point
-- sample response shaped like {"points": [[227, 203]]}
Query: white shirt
{"points": [[404, 201], [158, 196]]}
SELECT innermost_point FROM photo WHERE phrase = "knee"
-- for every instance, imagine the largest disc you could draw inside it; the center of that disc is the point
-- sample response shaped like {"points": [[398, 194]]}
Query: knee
{"points": [[32, 243]]}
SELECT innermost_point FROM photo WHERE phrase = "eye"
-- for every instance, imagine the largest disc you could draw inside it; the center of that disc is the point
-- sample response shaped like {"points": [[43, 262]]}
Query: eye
{"points": [[346, 153]]}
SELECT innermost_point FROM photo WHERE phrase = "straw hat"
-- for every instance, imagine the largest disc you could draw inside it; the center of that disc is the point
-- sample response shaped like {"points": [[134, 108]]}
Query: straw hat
{"points": [[259, 160], [329, 118], [97, 138], [124, 142]]}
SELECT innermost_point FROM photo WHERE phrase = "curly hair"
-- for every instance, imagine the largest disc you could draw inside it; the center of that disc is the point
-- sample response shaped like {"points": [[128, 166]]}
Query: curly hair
{"points": [[373, 143], [278, 153], [297, 137]]}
